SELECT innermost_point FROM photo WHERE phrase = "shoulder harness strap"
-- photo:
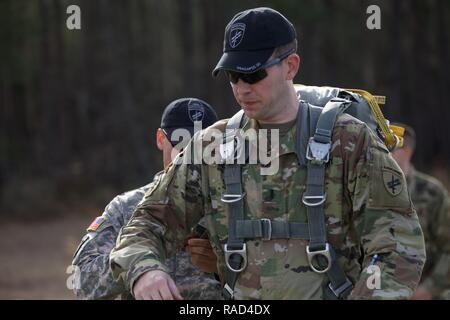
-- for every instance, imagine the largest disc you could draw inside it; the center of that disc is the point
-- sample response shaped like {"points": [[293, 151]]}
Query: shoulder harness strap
{"points": [[235, 248], [321, 256]]}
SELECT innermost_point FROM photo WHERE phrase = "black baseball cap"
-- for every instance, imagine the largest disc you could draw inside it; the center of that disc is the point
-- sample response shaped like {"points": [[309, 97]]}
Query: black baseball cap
{"points": [[181, 114], [251, 37]]}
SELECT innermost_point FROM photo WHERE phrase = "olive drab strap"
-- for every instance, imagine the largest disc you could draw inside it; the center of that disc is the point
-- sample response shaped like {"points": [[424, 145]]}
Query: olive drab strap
{"points": [[267, 229], [321, 256], [235, 248]]}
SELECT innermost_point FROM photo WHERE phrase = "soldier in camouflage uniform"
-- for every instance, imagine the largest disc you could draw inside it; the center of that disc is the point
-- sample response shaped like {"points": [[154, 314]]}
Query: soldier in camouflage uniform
{"points": [[430, 198], [93, 275], [368, 222]]}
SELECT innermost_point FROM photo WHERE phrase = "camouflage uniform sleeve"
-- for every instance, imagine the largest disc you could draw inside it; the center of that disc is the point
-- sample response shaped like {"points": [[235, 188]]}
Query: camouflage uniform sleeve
{"points": [[160, 223], [93, 276], [438, 281], [383, 220]]}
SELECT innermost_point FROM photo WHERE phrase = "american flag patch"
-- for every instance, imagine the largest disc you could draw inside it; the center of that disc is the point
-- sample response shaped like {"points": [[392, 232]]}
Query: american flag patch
{"points": [[96, 223]]}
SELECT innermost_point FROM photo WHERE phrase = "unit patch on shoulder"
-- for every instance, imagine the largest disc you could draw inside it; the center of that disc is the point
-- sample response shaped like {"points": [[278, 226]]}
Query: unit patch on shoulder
{"points": [[393, 181], [96, 224]]}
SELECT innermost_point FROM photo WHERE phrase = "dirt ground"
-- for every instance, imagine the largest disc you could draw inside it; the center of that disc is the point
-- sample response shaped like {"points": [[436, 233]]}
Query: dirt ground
{"points": [[34, 257]]}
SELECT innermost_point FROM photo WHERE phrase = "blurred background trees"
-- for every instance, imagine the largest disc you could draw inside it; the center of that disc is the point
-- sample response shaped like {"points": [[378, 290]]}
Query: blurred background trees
{"points": [[79, 108]]}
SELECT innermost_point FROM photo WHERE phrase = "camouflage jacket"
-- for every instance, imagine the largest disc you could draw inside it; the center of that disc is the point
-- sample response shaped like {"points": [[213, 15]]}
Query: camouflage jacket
{"points": [[365, 215], [432, 204], [93, 276]]}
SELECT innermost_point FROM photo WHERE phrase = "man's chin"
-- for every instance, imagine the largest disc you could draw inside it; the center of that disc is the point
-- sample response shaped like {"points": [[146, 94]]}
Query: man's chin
{"points": [[250, 112]]}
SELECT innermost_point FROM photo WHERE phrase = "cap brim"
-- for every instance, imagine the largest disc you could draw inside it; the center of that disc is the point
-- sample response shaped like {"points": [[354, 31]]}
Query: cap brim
{"points": [[242, 61]]}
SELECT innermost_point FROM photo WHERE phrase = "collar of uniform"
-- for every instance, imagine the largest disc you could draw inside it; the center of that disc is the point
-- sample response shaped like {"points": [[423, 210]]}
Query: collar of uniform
{"points": [[296, 140], [160, 173]]}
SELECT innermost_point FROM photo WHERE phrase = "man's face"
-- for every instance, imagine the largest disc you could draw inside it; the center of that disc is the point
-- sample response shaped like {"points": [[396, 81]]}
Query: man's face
{"points": [[263, 100]]}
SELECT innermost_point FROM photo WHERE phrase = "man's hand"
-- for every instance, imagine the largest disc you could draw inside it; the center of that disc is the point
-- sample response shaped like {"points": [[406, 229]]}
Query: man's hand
{"points": [[156, 285], [422, 293], [202, 254]]}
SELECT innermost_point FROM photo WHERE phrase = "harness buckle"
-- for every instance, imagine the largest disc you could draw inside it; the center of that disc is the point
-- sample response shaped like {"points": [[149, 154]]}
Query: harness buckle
{"points": [[314, 201], [338, 292], [231, 198], [317, 152], [232, 147], [229, 291], [241, 252], [314, 254], [269, 228]]}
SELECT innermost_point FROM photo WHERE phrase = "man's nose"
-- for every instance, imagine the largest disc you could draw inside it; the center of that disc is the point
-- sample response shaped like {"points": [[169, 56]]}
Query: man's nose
{"points": [[243, 87]]}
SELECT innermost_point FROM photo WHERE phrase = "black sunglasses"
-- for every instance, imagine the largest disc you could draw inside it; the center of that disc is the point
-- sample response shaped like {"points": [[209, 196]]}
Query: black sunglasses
{"points": [[254, 77]]}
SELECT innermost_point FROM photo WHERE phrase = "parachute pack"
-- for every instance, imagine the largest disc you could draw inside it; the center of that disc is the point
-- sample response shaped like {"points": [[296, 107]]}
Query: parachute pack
{"points": [[364, 106]]}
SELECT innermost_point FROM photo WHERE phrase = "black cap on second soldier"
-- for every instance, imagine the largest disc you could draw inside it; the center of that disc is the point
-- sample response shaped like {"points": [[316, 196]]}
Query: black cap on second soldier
{"points": [[251, 37], [181, 114]]}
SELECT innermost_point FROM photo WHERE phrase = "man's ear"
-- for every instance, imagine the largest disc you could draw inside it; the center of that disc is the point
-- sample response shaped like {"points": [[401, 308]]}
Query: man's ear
{"points": [[160, 139], [293, 63], [409, 152]]}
